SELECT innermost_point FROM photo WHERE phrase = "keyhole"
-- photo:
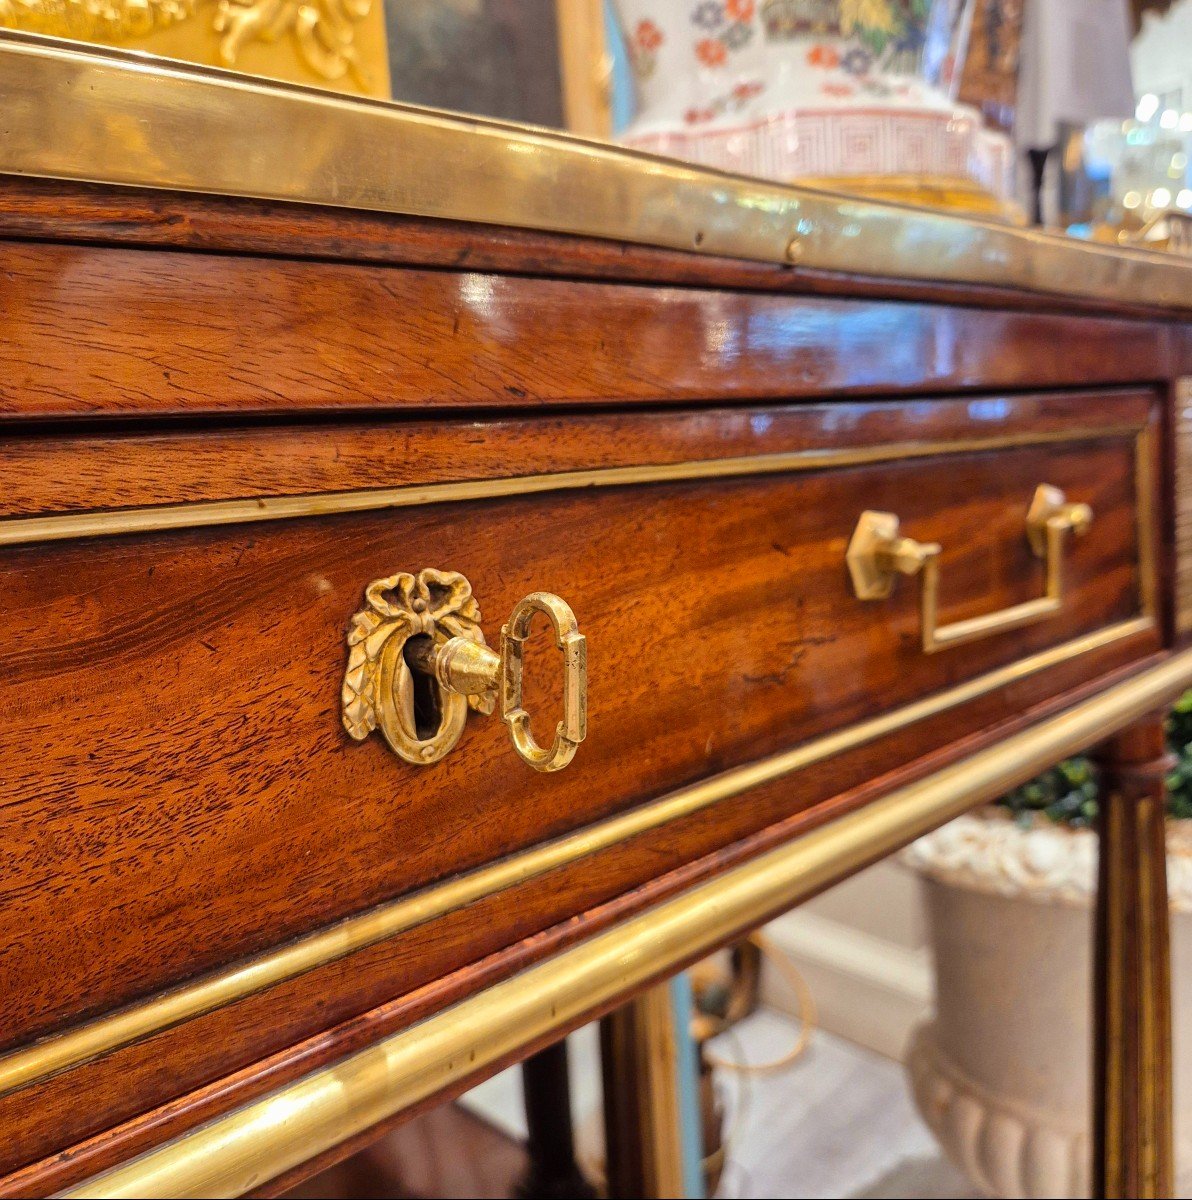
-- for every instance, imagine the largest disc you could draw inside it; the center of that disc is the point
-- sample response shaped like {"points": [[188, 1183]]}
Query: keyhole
{"points": [[428, 713]]}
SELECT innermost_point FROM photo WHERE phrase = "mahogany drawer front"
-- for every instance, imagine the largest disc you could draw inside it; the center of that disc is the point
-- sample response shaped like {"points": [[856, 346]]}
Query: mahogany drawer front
{"points": [[180, 791]]}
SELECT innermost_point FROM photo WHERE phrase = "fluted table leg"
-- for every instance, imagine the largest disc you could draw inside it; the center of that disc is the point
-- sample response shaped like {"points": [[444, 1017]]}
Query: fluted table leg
{"points": [[1132, 1144], [641, 1111]]}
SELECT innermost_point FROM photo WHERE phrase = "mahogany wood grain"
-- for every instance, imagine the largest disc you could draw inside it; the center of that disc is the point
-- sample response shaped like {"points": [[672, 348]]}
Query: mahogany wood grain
{"points": [[207, 786], [57, 473], [49, 210], [178, 792], [122, 1084], [247, 816], [95, 332]]}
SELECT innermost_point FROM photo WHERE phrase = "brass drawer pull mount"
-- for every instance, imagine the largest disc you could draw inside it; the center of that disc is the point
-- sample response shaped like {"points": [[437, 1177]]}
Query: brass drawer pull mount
{"points": [[878, 554]]}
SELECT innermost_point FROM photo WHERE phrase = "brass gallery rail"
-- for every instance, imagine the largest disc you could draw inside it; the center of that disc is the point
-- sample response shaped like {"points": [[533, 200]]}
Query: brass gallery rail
{"points": [[191, 122]]}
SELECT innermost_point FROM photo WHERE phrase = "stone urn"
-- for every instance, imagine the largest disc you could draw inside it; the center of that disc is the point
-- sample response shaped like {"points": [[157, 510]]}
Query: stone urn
{"points": [[1001, 1073]]}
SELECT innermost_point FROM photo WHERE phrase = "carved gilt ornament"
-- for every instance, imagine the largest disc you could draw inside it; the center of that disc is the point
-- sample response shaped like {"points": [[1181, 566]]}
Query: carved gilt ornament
{"points": [[323, 32]]}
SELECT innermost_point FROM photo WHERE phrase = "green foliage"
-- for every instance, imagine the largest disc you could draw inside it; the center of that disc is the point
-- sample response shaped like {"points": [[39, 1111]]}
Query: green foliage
{"points": [[1179, 741], [1067, 794]]}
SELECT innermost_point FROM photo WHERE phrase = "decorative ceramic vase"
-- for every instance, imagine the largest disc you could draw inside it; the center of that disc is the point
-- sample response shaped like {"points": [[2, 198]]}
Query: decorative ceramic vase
{"points": [[853, 94], [1001, 1073]]}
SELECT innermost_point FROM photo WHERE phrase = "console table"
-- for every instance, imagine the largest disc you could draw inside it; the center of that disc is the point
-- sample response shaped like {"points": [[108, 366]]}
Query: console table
{"points": [[457, 575]]}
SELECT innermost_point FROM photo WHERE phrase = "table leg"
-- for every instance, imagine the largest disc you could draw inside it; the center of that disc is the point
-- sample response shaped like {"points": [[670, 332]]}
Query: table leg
{"points": [[641, 1108], [553, 1173], [1132, 1136]]}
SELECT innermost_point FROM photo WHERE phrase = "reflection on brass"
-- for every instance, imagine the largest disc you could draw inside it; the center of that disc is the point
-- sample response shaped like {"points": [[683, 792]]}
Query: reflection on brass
{"points": [[878, 553], [324, 41], [1170, 231], [573, 728], [169, 126], [957, 194], [378, 687], [72, 1047], [243, 1149], [429, 623]]}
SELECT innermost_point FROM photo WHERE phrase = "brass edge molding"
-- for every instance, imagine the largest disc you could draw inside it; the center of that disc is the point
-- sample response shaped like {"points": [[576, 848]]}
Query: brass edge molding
{"points": [[242, 1150], [60, 1052], [16, 531], [1181, 433], [123, 118], [1146, 491]]}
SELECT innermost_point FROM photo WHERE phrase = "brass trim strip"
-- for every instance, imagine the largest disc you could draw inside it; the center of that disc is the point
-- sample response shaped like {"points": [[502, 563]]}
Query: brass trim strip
{"points": [[245, 1148], [1146, 491], [16, 531], [1181, 436], [59, 1052], [69, 111]]}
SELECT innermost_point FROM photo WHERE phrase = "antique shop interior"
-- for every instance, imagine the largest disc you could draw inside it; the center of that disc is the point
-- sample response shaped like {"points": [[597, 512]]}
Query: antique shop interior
{"points": [[597, 598]]}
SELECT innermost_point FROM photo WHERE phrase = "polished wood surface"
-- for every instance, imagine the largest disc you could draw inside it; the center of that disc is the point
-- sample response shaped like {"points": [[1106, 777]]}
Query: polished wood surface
{"points": [[117, 1083], [1132, 1084], [262, 820], [48, 471], [52, 210], [179, 794], [158, 333]]}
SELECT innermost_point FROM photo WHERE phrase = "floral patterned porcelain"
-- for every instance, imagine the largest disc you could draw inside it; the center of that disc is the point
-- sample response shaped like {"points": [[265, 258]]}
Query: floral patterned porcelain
{"points": [[825, 90]]}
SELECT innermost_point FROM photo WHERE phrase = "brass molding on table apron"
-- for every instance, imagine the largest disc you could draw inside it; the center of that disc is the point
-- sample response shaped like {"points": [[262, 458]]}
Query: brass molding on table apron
{"points": [[243, 1149], [1182, 439], [101, 115], [71, 1047]]}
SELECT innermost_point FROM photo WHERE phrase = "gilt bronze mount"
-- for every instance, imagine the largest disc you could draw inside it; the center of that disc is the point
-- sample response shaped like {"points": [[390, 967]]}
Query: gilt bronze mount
{"points": [[418, 661]]}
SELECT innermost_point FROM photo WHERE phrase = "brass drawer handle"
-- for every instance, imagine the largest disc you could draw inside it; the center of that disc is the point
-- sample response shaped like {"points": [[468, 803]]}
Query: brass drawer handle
{"points": [[878, 554], [417, 661]]}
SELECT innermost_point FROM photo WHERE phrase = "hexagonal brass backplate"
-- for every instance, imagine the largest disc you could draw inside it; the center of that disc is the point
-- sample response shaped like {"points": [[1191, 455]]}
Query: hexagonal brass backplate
{"points": [[875, 531], [1045, 503]]}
